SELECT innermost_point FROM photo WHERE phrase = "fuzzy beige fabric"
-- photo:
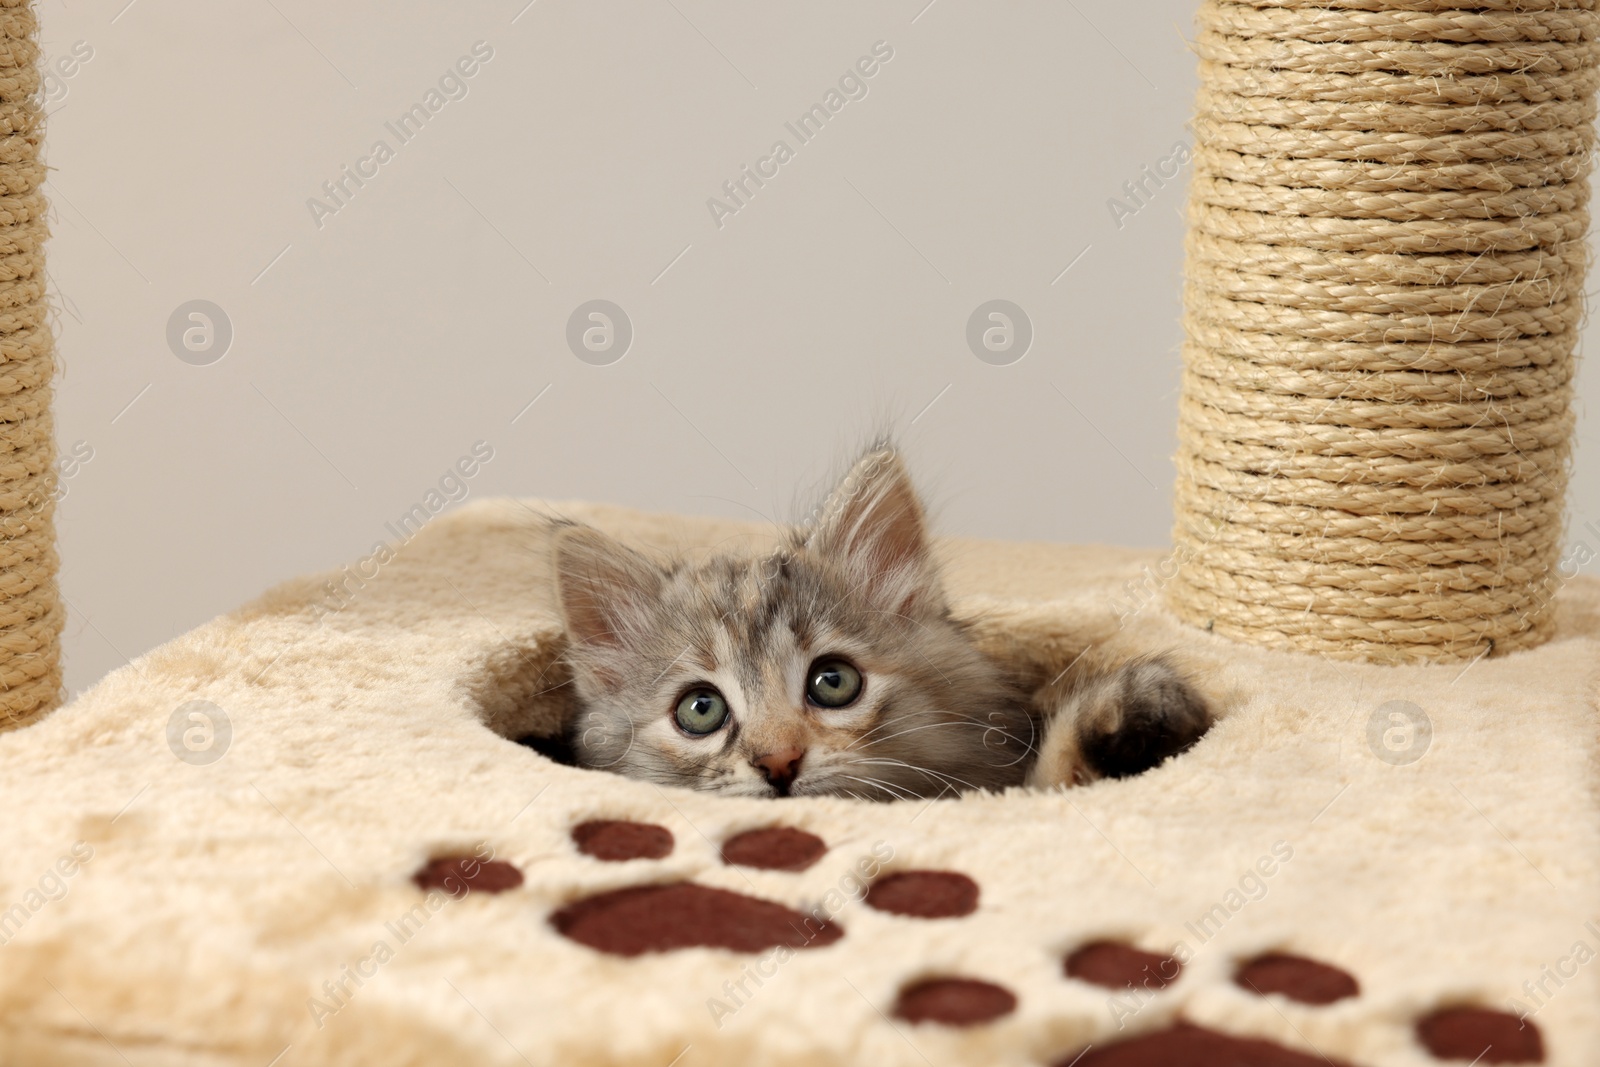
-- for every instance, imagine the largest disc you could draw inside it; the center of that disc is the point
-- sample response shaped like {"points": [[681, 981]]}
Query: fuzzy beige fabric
{"points": [[169, 911]]}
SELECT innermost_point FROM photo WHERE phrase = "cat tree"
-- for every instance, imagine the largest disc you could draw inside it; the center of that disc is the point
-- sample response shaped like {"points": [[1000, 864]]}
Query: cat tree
{"points": [[1384, 269]]}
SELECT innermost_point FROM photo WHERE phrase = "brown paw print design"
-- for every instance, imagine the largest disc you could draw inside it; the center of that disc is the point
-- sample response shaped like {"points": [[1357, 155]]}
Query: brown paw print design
{"points": [[665, 917], [1463, 1033]]}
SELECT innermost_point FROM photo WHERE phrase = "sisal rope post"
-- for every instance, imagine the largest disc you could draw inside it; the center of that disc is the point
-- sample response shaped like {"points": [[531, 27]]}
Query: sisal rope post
{"points": [[30, 603], [1385, 265]]}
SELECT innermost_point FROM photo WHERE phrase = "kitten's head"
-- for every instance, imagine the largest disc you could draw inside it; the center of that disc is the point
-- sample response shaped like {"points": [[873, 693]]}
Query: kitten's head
{"points": [[831, 666]]}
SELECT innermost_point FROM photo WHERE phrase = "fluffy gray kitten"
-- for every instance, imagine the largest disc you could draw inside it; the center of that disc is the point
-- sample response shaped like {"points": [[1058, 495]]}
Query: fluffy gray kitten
{"points": [[833, 667]]}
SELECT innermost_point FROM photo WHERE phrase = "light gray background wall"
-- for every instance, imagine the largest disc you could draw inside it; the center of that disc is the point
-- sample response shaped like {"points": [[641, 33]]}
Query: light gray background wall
{"points": [[372, 351]]}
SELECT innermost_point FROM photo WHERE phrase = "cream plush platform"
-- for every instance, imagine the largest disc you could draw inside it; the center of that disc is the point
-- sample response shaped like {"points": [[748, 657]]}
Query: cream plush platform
{"points": [[220, 898]]}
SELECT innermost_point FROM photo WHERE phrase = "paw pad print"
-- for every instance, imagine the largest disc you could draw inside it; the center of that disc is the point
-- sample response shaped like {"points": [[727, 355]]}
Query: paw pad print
{"points": [[1469, 1034], [1480, 1035], [925, 894], [1296, 977], [642, 919], [1187, 1045], [954, 1002], [774, 848], [1118, 966], [460, 875], [637, 920], [615, 840], [661, 918]]}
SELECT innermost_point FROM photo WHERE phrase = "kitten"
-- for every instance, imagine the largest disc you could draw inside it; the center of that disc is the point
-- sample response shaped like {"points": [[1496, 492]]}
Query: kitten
{"points": [[833, 667]]}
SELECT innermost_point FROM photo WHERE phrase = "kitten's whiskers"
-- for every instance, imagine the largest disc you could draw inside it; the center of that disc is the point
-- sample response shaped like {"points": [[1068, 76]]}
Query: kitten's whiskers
{"points": [[880, 784], [911, 730], [945, 779]]}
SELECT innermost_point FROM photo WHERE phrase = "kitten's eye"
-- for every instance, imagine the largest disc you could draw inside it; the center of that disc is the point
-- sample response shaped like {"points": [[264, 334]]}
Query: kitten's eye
{"points": [[832, 683], [702, 711]]}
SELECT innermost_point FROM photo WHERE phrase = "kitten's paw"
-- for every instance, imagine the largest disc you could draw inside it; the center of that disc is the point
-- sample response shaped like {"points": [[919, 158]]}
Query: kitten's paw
{"points": [[1115, 720], [1147, 712]]}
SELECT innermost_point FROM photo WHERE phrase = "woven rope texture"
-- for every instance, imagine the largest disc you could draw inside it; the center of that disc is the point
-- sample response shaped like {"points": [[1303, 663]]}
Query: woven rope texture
{"points": [[30, 604], [1385, 270]]}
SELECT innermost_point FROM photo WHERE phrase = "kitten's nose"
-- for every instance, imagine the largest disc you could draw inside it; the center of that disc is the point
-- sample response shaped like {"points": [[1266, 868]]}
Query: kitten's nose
{"points": [[780, 768]]}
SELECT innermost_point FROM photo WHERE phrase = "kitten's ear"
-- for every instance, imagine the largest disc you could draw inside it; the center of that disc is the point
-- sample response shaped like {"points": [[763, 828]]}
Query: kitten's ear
{"points": [[607, 589], [873, 524]]}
